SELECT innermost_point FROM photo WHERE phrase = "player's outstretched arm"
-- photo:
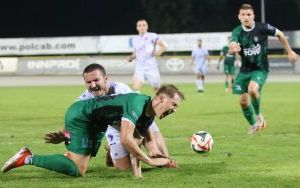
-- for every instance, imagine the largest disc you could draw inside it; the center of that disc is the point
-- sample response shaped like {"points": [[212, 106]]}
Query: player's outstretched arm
{"points": [[55, 137], [285, 44]]}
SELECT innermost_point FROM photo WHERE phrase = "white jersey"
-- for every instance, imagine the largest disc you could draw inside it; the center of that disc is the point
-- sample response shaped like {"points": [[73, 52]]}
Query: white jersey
{"points": [[199, 55], [144, 46], [114, 88]]}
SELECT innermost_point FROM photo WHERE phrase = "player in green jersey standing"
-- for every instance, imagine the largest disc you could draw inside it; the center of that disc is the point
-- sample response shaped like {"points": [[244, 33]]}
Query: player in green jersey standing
{"points": [[250, 40], [85, 121], [229, 66]]}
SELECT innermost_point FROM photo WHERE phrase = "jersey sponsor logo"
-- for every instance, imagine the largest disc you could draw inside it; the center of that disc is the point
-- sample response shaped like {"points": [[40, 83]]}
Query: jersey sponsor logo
{"points": [[229, 55], [253, 50]]}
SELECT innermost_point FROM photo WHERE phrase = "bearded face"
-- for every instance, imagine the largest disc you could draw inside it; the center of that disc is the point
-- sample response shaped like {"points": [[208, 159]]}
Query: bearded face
{"points": [[96, 82]]}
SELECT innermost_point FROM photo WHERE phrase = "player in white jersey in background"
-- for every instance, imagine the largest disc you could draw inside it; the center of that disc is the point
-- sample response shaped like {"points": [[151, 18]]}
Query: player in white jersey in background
{"points": [[200, 58], [147, 46], [97, 84]]}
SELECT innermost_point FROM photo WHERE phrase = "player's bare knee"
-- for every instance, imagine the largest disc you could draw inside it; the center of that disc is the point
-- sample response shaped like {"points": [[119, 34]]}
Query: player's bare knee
{"points": [[253, 91], [253, 88], [244, 101], [123, 163]]}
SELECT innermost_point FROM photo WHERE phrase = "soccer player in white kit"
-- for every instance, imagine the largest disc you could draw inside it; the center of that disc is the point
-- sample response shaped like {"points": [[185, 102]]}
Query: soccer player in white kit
{"points": [[200, 58], [145, 52]]}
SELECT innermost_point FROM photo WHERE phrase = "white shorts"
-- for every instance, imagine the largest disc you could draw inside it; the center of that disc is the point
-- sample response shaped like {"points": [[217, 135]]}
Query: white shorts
{"points": [[200, 69], [116, 148], [151, 75]]}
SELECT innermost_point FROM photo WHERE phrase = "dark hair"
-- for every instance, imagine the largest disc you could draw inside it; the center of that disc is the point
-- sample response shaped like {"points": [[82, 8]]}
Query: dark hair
{"points": [[142, 20], [246, 7], [94, 66], [170, 90]]}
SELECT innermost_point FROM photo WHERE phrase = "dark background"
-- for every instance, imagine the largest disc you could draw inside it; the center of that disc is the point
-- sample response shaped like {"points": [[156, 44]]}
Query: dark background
{"points": [[95, 17]]}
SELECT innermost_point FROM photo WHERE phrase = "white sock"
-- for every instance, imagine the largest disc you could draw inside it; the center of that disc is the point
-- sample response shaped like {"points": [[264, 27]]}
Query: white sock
{"points": [[28, 160], [202, 84], [260, 119], [199, 84]]}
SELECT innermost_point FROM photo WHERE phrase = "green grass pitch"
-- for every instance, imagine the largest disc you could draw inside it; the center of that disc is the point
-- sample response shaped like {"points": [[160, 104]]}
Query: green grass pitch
{"points": [[271, 158]]}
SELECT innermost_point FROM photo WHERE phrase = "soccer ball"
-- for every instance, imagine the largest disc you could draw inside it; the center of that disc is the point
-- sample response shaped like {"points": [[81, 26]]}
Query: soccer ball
{"points": [[202, 142]]}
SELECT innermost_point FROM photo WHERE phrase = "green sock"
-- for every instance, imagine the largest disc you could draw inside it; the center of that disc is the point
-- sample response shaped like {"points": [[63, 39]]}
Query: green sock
{"points": [[249, 114], [58, 163], [256, 104], [226, 84]]}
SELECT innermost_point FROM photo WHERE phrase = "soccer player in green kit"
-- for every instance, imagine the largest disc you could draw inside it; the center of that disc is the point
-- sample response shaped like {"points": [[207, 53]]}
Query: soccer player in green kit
{"points": [[85, 121], [249, 40], [229, 66]]}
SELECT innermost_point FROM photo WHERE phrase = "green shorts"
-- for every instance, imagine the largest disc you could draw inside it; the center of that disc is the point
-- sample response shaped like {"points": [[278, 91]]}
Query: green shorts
{"points": [[229, 69], [81, 137], [243, 79]]}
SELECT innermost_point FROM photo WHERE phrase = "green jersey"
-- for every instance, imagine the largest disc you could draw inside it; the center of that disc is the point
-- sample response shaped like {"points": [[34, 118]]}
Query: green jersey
{"points": [[254, 46], [100, 112], [229, 58]]}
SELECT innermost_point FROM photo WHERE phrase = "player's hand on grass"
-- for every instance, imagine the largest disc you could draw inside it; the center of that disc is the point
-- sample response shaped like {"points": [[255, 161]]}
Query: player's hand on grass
{"points": [[163, 162], [155, 153], [55, 137], [158, 161], [171, 164]]}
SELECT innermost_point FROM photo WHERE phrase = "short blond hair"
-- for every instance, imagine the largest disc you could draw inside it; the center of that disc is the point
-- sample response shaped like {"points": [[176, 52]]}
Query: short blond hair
{"points": [[170, 90]]}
